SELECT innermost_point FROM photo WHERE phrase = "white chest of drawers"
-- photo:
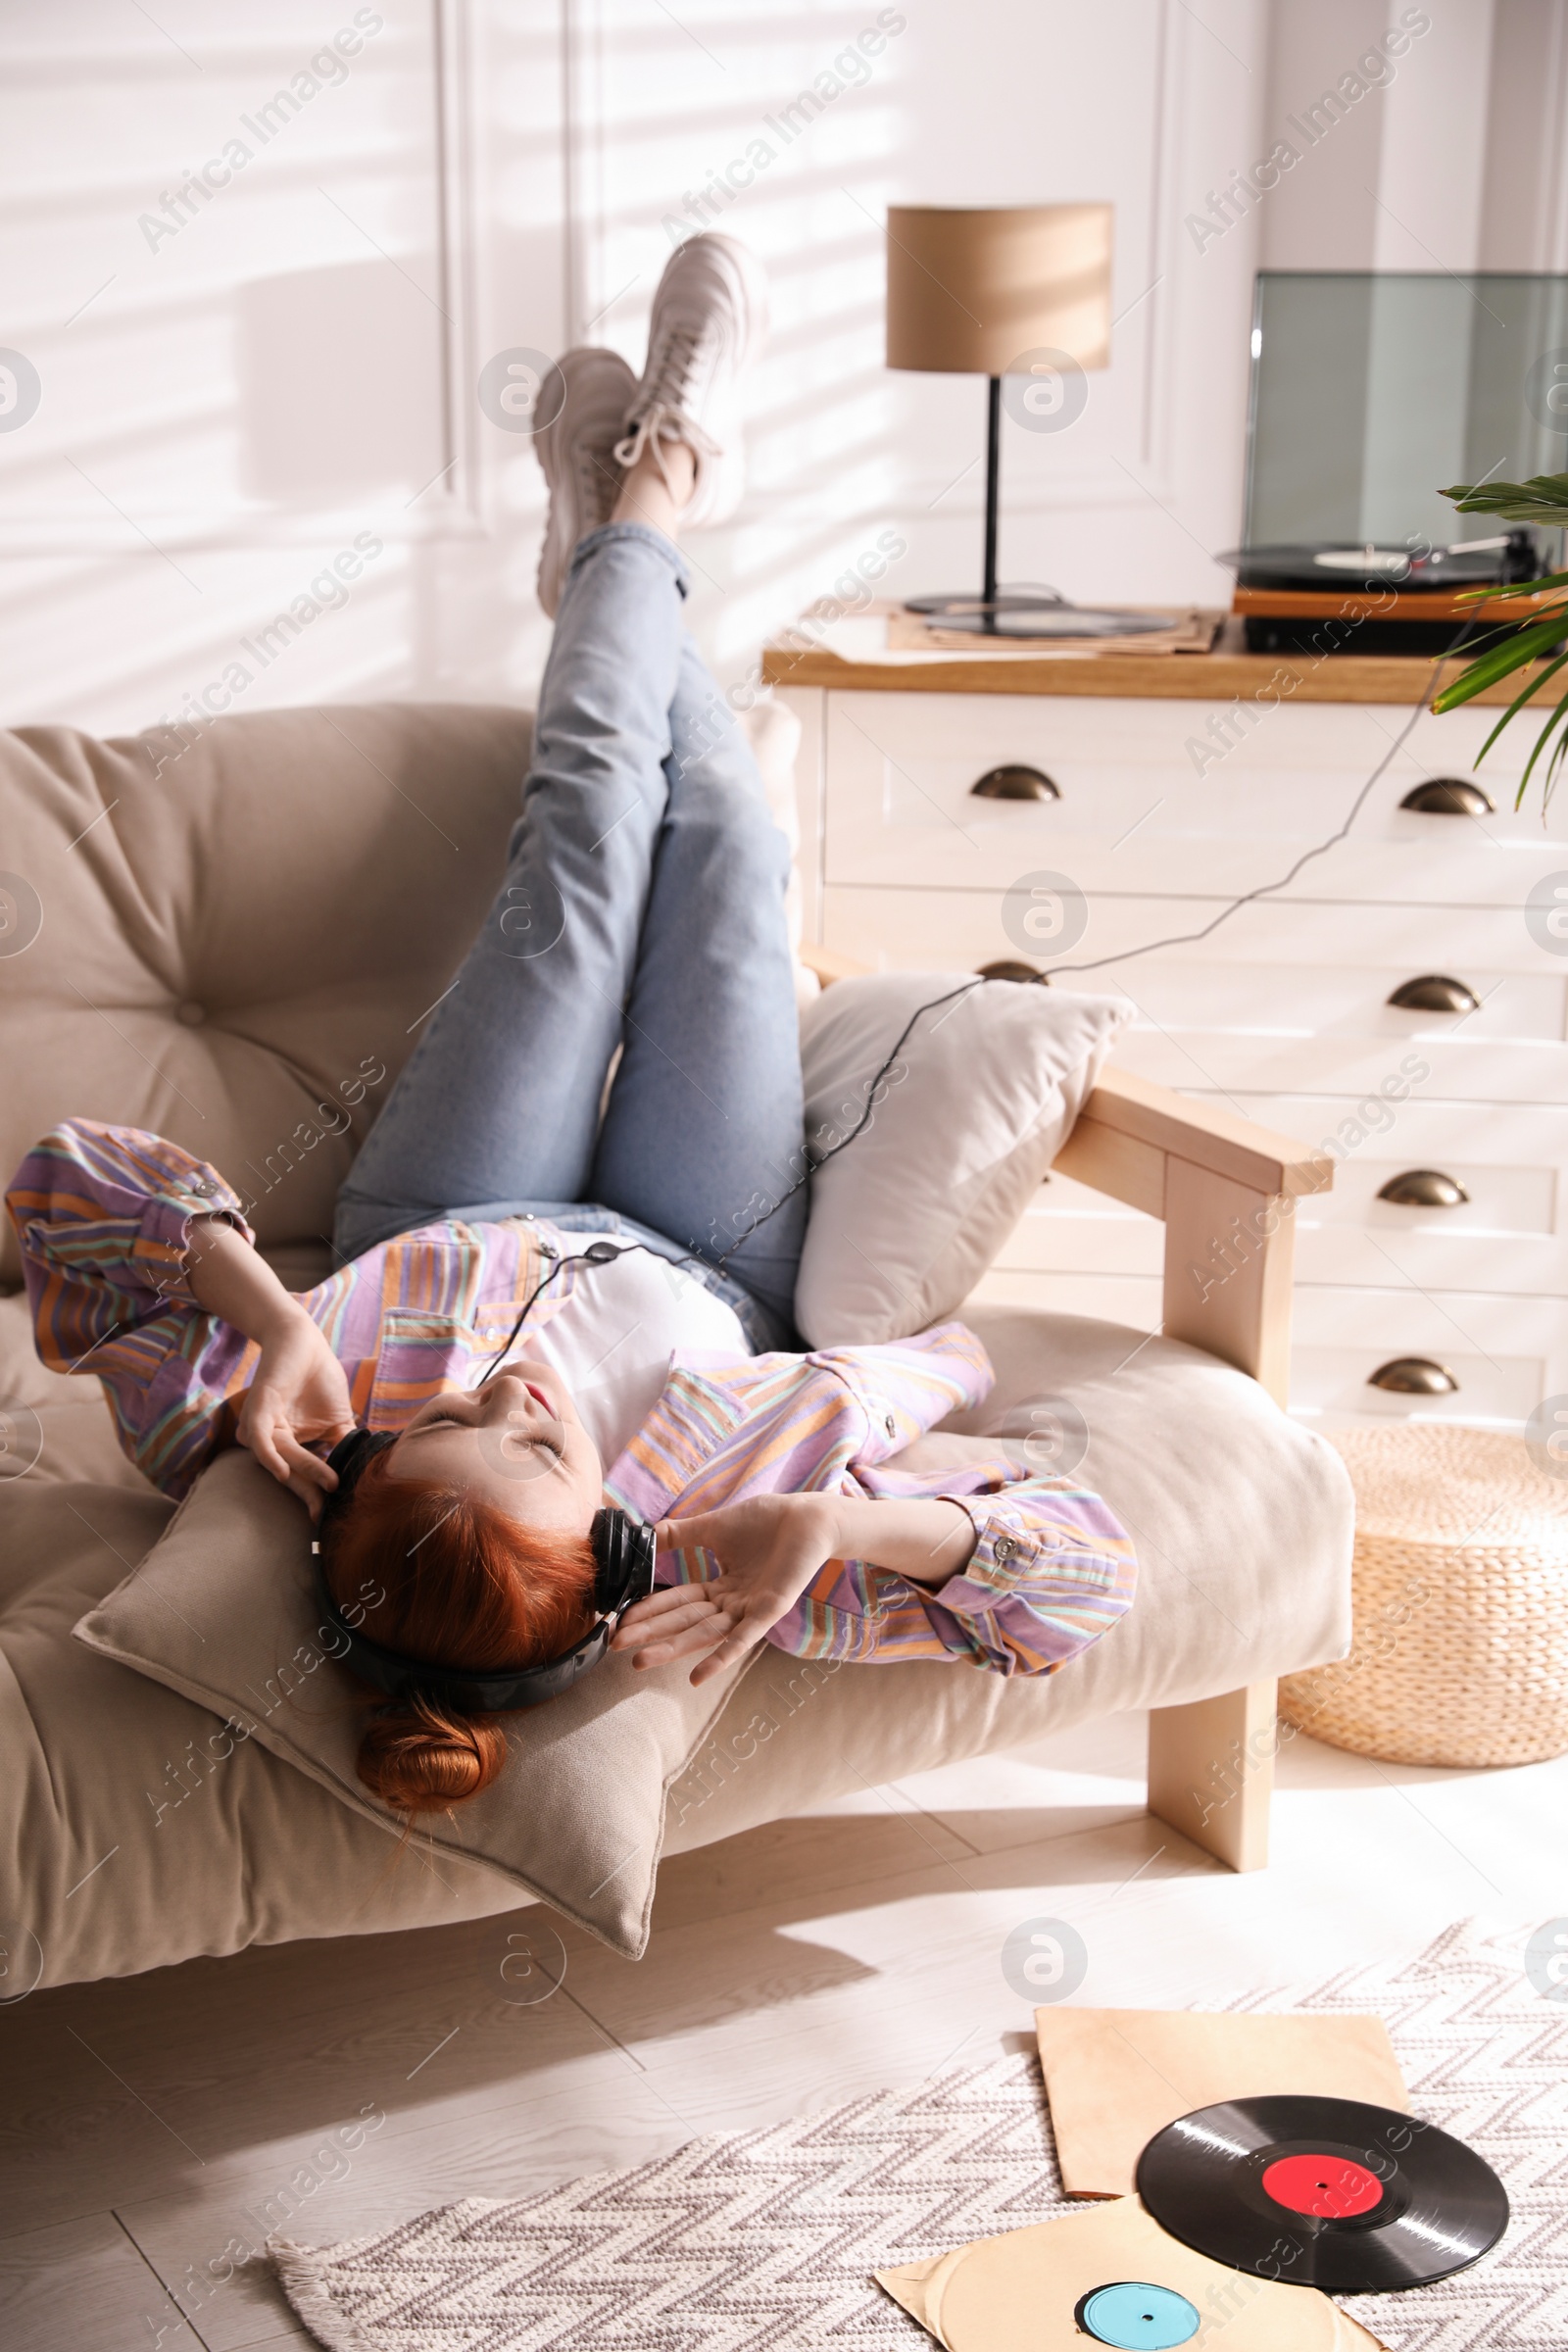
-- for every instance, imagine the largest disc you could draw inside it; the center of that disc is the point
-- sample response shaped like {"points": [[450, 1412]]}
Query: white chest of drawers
{"points": [[1280, 1008]]}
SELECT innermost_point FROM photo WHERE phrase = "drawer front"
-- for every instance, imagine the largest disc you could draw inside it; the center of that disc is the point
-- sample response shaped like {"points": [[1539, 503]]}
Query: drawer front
{"points": [[1067, 1229], [1134, 815], [1417, 1133], [1320, 1000], [1330, 1386], [1506, 1199], [1510, 1237], [1321, 1027], [957, 930], [1481, 1070], [1506, 1354]]}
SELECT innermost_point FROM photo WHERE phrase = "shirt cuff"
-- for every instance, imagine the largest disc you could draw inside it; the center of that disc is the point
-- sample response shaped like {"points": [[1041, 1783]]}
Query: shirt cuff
{"points": [[1014, 1549], [161, 1251]]}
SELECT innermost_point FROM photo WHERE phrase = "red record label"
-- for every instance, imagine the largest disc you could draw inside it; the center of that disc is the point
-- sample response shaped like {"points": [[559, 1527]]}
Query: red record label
{"points": [[1329, 2187]]}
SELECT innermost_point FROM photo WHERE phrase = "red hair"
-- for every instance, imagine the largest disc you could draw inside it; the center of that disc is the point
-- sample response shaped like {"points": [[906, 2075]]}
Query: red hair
{"points": [[462, 1585]]}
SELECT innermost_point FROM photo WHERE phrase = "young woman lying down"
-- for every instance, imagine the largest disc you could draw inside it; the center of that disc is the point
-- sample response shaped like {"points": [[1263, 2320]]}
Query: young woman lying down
{"points": [[524, 1385]]}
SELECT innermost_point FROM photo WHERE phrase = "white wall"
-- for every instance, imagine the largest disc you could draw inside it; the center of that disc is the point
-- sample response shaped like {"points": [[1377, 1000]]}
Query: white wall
{"points": [[231, 399], [1454, 162], [224, 408]]}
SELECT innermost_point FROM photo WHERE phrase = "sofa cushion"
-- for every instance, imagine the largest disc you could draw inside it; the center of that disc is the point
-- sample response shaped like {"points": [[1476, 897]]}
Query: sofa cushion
{"points": [[983, 1092], [236, 934]]}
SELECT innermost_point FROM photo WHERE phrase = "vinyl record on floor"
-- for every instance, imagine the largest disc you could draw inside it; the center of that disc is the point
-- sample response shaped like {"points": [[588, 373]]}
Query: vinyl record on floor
{"points": [[1355, 2200]]}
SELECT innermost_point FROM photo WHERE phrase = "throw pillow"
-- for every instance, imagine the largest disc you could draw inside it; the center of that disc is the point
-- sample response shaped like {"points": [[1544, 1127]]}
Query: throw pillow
{"points": [[977, 1101], [221, 1611]]}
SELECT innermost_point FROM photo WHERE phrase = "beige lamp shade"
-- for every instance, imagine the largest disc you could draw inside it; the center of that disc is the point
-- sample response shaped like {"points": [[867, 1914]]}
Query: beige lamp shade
{"points": [[971, 292]]}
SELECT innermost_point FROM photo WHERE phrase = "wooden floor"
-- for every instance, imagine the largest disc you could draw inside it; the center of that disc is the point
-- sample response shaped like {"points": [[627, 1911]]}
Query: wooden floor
{"points": [[156, 2128]]}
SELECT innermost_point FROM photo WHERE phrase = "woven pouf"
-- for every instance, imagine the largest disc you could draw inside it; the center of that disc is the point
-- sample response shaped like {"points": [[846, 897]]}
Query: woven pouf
{"points": [[1460, 1650]]}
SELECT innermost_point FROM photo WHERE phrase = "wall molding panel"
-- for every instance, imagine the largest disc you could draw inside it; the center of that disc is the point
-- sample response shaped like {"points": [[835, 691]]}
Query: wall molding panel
{"points": [[193, 332]]}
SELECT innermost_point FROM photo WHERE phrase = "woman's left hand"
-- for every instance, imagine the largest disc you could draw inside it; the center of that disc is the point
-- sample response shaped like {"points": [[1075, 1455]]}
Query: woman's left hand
{"points": [[769, 1548], [300, 1395]]}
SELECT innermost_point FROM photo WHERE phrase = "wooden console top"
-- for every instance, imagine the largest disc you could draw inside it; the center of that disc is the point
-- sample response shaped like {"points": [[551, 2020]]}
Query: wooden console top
{"points": [[846, 656]]}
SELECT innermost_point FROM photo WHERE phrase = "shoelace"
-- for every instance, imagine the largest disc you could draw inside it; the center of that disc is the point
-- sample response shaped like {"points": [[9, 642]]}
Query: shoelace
{"points": [[598, 485], [663, 406], [659, 429]]}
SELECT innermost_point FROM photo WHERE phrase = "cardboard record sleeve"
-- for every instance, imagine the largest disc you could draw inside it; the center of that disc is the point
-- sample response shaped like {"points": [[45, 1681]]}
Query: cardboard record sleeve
{"points": [[1060, 2286], [1115, 2076]]}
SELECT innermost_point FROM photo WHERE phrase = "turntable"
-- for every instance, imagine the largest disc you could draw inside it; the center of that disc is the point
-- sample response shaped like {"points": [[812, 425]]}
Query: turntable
{"points": [[1380, 600], [1370, 391]]}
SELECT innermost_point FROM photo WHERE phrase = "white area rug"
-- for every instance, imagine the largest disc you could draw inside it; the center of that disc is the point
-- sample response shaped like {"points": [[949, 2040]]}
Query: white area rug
{"points": [[765, 2240]]}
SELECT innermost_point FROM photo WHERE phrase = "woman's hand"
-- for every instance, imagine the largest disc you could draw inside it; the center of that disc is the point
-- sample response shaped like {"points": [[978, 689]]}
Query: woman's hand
{"points": [[300, 1394], [768, 1550]]}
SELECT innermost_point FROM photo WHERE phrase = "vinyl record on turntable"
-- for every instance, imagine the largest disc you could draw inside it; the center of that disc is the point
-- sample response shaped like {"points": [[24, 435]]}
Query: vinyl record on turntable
{"points": [[1331, 2193], [1327, 568]]}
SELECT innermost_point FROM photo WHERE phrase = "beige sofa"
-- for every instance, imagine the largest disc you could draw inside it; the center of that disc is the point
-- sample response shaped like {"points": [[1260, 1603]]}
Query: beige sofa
{"points": [[231, 938]]}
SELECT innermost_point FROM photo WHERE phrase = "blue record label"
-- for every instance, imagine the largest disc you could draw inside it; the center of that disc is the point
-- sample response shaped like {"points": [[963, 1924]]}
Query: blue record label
{"points": [[1135, 2317]]}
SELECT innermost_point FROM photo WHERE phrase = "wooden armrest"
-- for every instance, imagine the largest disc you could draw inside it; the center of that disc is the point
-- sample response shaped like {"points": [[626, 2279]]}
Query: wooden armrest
{"points": [[827, 964], [1140, 1111], [1226, 1191]]}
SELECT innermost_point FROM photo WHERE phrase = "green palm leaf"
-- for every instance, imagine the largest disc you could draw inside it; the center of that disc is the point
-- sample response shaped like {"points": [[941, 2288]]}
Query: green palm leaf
{"points": [[1544, 502], [1536, 685], [1531, 639]]}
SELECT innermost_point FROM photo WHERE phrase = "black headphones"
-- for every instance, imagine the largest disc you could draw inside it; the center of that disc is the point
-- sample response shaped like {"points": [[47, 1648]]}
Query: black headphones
{"points": [[624, 1557]]}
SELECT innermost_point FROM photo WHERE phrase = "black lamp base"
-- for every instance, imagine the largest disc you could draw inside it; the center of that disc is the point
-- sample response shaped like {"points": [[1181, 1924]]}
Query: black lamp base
{"points": [[1000, 600], [1019, 612]]}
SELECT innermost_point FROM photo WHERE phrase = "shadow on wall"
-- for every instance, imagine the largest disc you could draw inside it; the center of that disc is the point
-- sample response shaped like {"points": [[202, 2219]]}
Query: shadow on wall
{"points": [[337, 383]]}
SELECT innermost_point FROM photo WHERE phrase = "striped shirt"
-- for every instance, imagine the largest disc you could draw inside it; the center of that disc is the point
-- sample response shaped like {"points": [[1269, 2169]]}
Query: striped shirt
{"points": [[103, 1214]]}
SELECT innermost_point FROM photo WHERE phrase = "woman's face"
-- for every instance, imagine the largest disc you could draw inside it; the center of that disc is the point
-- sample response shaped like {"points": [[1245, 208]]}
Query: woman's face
{"points": [[516, 1441]]}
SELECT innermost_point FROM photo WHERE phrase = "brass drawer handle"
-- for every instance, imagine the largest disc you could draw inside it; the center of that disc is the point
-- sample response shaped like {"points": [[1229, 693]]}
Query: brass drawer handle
{"points": [[1424, 1188], [1014, 782], [1435, 991], [1013, 967], [1449, 795], [1415, 1376]]}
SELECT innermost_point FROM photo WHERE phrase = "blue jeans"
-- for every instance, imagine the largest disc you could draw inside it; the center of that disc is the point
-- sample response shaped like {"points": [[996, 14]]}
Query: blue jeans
{"points": [[643, 906]]}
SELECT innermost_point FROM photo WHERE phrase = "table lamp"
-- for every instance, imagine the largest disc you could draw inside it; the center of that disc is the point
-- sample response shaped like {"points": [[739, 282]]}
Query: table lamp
{"points": [[1003, 292]]}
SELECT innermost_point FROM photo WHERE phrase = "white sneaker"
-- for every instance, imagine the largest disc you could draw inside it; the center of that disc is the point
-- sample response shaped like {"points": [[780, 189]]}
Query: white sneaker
{"points": [[577, 452], [709, 321]]}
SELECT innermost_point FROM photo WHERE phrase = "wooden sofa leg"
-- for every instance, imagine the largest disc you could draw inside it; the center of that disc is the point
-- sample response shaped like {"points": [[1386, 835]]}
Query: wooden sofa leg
{"points": [[1211, 1771]]}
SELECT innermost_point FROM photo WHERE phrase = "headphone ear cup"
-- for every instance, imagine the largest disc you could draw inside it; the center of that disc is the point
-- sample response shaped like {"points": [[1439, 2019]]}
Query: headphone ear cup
{"points": [[609, 1560], [350, 1457], [644, 1556], [623, 1560]]}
